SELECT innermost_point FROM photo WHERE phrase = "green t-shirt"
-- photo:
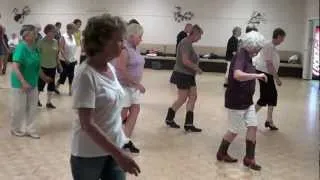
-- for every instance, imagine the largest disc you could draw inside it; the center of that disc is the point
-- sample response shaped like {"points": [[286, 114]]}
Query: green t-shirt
{"points": [[48, 53], [29, 61]]}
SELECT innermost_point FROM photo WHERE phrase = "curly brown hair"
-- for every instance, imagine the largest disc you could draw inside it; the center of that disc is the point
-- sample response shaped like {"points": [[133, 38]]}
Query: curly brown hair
{"points": [[278, 32], [100, 29], [49, 28]]}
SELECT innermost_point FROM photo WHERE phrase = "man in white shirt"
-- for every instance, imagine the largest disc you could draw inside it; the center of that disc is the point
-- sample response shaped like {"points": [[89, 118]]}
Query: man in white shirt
{"points": [[14, 41], [268, 61]]}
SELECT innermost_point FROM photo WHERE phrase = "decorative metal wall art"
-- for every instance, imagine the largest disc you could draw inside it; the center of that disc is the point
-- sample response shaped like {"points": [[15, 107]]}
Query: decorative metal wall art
{"points": [[20, 16], [180, 16]]}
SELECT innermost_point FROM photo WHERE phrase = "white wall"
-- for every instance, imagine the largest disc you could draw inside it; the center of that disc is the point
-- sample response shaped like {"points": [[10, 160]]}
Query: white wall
{"points": [[312, 12], [217, 17], [312, 9]]}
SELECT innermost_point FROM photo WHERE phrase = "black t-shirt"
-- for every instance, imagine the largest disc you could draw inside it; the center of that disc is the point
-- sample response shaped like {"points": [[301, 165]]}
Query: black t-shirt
{"points": [[58, 35], [231, 47], [6, 40], [239, 95], [4, 45], [180, 36], [39, 37]]}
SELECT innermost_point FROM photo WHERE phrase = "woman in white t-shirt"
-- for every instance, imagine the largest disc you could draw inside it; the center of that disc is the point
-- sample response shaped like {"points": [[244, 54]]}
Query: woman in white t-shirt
{"points": [[97, 134], [67, 56]]}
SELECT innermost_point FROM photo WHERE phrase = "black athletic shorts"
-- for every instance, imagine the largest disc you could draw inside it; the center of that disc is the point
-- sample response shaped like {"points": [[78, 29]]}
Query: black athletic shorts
{"points": [[50, 72]]}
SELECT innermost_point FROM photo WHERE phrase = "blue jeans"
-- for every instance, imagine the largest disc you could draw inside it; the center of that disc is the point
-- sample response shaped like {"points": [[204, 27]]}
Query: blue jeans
{"points": [[97, 168]]}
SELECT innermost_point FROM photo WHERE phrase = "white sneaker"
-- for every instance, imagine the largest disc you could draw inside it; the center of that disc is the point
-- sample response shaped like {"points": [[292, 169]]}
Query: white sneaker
{"points": [[33, 135], [17, 133]]}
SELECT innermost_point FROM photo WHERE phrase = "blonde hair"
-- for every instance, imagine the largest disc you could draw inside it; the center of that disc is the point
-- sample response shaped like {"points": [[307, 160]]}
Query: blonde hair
{"points": [[134, 29], [252, 40], [27, 29]]}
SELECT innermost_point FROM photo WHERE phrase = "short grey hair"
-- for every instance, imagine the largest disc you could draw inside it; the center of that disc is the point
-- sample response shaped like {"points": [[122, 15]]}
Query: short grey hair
{"points": [[252, 40], [134, 29], [235, 30], [26, 30]]}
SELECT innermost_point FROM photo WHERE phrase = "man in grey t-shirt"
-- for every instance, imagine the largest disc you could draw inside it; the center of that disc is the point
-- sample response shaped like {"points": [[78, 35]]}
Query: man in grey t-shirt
{"points": [[185, 47], [183, 76]]}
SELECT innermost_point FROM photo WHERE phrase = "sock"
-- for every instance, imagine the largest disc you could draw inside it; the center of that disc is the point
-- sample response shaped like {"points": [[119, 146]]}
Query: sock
{"points": [[189, 119], [224, 146], [49, 97], [269, 115], [57, 85], [250, 149], [170, 115]]}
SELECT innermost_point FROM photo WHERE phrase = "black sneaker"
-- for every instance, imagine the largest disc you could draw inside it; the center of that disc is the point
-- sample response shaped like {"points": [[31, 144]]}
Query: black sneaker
{"points": [[131, 147], [192, 129], [50, 106], [39, 104], [271, 126], [172, 124], [57, 91]]}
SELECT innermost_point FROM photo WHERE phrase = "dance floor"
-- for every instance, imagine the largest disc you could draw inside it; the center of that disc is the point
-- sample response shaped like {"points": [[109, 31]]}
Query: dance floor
{"points": [[292, 153]]}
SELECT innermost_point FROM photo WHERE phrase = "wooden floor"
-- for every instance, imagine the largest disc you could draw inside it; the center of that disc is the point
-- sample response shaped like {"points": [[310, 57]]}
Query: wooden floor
{"points": [[167, 154]]}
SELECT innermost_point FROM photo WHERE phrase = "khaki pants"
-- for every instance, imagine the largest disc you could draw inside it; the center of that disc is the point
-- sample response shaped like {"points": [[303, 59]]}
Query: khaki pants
{"points": [[24, 106]]}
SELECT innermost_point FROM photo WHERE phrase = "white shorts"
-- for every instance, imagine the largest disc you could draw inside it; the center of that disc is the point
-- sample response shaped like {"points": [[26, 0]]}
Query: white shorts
{"points": [[238, 118], [132, 96]]}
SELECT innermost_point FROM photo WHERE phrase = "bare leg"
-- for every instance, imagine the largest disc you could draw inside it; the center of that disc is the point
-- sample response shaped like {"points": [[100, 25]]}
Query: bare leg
{"points": [[132, 119], [222, 154], [192, 98], [258, 108], [182, 97], [251, 133], [269, 114], [249, 159], [131, 115], [124, 113], [227, 73], [230, 136]]}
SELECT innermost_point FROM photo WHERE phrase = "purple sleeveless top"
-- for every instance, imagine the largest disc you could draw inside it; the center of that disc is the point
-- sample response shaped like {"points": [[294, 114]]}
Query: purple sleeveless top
{"points": [[135, 64]]}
